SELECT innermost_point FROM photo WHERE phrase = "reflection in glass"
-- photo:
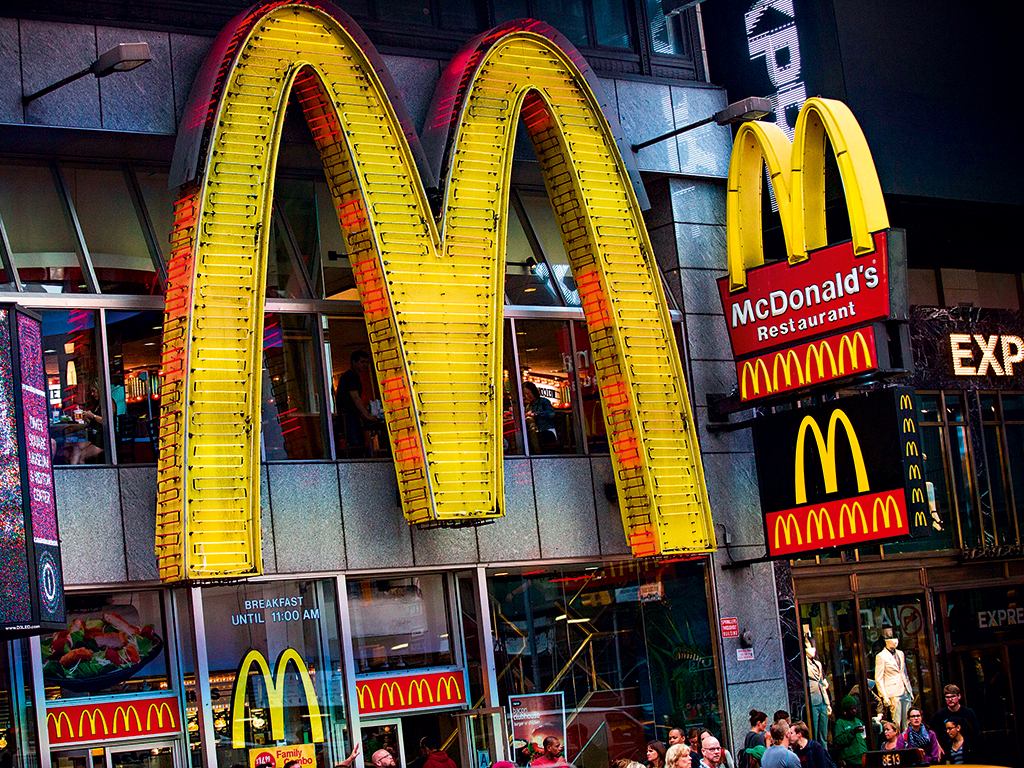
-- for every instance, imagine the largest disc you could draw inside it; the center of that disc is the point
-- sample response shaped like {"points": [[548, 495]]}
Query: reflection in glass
{"points": [[629, 645], [511, 426], [610, 21], [402, 623], [666, 31], [43, 246], [333, 279], [528, 280], [567, 16], [274, 618], [75, 392], [546, 365], [133, 348], [114, 644], [159, 202], [359, 428], [293, 426], [549, 234], [590, 395], [112, 230], [19, 744], [832, 628]]}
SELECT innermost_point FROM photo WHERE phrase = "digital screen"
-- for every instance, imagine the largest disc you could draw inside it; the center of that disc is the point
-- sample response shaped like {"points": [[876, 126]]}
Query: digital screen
{"points": [[42, 502], [16, 605]]}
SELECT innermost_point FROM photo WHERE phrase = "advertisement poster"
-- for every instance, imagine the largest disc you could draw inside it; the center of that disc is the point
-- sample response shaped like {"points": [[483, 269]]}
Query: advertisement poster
{"points": [[276, 757], [535, 717]]}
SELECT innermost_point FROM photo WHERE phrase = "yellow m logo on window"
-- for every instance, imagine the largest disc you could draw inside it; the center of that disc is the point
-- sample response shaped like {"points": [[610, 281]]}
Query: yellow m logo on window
{"points": [[431, 287], [827, 454], [275, 685], [797, 173]]}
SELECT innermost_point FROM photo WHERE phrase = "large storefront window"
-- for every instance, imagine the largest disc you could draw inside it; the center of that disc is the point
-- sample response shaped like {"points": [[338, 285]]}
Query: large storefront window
{"points": [[133, 349], [275, 671], [19, 746], [625, 649], [549, 400], [293, 423]]}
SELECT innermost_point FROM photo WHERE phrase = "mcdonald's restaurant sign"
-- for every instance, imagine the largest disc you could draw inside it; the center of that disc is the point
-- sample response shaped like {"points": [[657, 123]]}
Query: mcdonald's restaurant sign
{"points": [[841, 474], [430, 284], [113, 720], [274, 686], [402, 693], [829, 299]]}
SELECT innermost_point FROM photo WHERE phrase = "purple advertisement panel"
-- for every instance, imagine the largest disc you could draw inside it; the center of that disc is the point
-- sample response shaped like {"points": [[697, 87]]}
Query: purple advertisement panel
{"points": [[16, 605], [42, 502]]}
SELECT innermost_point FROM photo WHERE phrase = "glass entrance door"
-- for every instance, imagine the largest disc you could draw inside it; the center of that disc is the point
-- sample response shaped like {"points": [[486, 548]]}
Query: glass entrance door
{"points": [[483, 737]]}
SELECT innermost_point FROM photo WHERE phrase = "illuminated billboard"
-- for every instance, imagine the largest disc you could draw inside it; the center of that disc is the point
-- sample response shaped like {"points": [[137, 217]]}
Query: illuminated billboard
{"points": [[430, 285], [31, 577]]}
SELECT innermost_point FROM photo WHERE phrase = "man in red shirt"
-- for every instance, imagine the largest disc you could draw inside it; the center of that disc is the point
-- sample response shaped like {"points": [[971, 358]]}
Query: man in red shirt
{"points": [[552, 754], [435, 757]]}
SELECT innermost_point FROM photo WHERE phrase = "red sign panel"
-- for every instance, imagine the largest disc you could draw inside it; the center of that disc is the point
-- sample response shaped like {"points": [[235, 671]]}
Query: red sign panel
{"points": [[406, 692], [730, 627], [840, 523], [815, 362], [80, 723], [831, 291]]}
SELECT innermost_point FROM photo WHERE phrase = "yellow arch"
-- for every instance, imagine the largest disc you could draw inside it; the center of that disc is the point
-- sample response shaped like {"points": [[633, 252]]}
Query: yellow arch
{"points": [[432, 299], [275, 684], [827, 454], [797, 173]]}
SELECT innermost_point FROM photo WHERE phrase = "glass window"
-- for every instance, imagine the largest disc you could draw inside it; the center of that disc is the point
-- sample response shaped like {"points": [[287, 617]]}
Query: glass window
{"points": [[402, 623], [78, 432], [511, 423], [667, 32], [549, 234], [334, 275], [133, 348], [112, 230], [43, 245], [528, 279], [114, 643], [901, 618], [293, 424], [546, 367], [830, 666], [611, 25], [567, 16], [19, 745], [590, 395], [359, 428], [629, 647], [291, 626], [159, 201]]}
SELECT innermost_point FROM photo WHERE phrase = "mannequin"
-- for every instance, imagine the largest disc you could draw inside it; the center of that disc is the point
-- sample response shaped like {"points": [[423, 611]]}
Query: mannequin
{"points": [[817, 685], [892, 683]]}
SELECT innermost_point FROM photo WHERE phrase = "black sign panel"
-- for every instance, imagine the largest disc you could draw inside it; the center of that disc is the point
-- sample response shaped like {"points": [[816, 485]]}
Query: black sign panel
{"points": [[841, 474]]}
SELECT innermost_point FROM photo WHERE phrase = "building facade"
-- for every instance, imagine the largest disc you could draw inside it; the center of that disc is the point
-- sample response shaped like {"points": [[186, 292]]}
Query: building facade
{"points": [[364, 629]]}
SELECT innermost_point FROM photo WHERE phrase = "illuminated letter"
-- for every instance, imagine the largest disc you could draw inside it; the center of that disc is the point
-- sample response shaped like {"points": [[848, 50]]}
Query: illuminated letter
{"points": [[827, 454], [797, 174], [1016, 356], [988, 354], [956, 342], [431, 289]]}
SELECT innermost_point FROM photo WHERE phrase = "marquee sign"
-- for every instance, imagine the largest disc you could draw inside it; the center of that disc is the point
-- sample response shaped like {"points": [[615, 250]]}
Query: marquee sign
{"points": [[31, 577], [403, 693], [840, 474], [431, 287], [830, 293], [113, 720]]}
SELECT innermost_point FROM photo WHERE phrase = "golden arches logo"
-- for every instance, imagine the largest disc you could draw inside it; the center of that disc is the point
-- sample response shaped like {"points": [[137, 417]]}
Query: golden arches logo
{"points": [[797, 173], [448, 681], [93, 715], [423, 686], [920, 519], [884, 506], [917, 495], [410, 692], [159, 710], [912, 449], [125, 714], [819, 519], [391, 689], [789, 526], [59, 719], [849, 343], [914, 473], [275, 684], [848, 514], [818, 351], [827, 454], [906, 402], [909, 425], [426, 284], [753, 368], [787, 357]]}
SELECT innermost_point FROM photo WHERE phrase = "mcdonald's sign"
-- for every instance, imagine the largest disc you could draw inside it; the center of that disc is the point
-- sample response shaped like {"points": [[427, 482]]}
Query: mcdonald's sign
{"points": [[274, 683], [113, 720], [403, 693], [430, 286], [840, 474]]}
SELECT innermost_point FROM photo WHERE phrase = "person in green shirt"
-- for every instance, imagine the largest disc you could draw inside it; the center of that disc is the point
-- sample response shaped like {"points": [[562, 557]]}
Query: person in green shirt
{"points": [[850, 733]]}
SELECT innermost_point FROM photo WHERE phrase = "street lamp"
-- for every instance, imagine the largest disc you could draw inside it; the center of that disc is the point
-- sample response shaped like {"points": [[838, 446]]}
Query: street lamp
{"points": [[121, 58], [751, 108]]}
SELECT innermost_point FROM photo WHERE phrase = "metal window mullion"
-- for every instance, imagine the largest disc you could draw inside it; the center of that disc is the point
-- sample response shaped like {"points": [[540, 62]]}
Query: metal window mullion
{"points": [[84, 259], [519, 388], [7, 256], [155, 254], [325, 374], [201, 665], [348, 660]]}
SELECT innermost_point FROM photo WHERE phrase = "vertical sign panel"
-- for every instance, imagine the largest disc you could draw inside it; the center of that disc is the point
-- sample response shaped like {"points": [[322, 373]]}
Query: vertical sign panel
{"points": [[16, 605], [41, 500]]}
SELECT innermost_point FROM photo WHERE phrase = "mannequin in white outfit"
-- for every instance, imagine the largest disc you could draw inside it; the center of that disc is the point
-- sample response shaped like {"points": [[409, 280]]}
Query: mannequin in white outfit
{"points": [[892, 681]]}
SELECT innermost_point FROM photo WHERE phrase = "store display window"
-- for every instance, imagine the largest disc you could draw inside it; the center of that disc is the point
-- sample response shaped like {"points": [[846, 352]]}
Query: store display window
{"points": [[402, 623], [275, 671], [19, 745], [622, 652], [114, 643], [133, 349], [829, 634]]}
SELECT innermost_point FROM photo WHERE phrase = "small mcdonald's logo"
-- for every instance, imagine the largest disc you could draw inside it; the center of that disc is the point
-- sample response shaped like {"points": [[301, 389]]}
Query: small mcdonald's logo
{"points": [[411, 692], [843, 523], [76, 724]]}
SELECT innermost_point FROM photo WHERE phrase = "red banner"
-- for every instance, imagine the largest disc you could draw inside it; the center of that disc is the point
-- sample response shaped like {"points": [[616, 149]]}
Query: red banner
{"points": [[401, 693], [79, 723], [830, 292], [816, 362], [841, 523]]}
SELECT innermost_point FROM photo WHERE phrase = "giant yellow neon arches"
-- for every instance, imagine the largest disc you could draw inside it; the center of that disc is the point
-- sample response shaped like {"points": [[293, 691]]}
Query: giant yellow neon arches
{"points": [[432, 300]]}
